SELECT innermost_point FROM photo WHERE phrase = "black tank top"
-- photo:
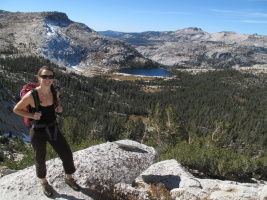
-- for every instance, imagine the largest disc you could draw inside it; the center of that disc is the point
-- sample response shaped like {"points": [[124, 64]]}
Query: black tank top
{"points": [[48, 114]]}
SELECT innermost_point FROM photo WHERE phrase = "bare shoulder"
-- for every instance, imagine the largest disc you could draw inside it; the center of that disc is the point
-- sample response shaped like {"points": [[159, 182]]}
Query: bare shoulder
{"points": [[28, 95], [28, 98]]}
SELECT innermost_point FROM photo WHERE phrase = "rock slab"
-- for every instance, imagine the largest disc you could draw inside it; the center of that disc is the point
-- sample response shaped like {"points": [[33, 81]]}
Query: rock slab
{"points": [[105, 162]]}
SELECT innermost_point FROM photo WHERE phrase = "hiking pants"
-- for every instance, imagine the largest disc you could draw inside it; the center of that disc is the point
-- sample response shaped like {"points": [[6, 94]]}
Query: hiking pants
{"points": [[39, 139]]}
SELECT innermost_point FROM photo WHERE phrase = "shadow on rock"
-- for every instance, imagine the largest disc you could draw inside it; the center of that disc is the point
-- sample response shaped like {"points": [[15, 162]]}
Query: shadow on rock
{"points": [[170, 181], [136, 150], [88, 192]]}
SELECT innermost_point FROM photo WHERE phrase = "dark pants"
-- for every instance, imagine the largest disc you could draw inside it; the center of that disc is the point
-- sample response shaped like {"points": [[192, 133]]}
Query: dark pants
{"points": [[39, 138]]}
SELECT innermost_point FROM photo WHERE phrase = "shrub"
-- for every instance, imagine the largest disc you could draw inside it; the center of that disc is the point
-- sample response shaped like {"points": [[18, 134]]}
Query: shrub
{"points": [[4, 140]]}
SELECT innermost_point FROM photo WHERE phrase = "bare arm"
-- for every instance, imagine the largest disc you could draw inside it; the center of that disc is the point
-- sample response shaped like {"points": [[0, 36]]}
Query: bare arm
{"points": [[59, 108], [23, 103]]}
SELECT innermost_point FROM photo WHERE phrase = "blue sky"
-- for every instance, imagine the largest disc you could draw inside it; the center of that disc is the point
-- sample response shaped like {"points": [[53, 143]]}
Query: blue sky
{"points": [[240, 16]]}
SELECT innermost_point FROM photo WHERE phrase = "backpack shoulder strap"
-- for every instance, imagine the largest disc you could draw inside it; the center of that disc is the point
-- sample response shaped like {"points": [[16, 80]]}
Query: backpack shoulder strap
{"points": [[54, 92], [36, 99]]}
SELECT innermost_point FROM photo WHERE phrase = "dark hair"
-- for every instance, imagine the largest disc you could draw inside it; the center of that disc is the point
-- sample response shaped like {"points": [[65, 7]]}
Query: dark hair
{"points": [[44, 68]]}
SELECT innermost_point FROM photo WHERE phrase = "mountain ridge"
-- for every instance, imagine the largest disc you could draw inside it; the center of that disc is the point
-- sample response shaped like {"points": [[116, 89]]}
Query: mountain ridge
{"points": [[54, 36], [194, 47], [64, 42]]}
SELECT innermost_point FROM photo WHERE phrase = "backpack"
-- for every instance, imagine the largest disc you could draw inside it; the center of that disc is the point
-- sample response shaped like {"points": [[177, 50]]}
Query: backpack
{"points": [[30, 88]]}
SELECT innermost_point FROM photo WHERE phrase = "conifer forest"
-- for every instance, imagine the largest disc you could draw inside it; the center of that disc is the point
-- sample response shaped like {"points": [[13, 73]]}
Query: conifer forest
{"points": [[214, 123]]}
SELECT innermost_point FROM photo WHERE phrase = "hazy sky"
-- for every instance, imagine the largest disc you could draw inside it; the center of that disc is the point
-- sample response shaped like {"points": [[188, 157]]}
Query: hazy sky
{"points": [[240, 16]]}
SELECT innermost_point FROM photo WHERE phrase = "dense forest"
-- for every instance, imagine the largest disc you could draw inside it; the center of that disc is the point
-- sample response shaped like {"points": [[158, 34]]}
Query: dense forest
{"points": [[213, 122]]}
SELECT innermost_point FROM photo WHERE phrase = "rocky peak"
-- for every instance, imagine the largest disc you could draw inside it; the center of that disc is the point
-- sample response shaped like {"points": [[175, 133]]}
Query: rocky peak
{"points": [[57, 18], [54, 36], [191, 30]]}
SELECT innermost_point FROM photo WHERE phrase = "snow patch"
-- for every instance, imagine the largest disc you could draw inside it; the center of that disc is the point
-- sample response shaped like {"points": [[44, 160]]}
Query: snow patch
{"points": [[50, 31]]}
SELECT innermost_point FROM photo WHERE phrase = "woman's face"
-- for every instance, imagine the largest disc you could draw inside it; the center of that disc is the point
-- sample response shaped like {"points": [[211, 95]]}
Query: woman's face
{"points": [[46, 78]]}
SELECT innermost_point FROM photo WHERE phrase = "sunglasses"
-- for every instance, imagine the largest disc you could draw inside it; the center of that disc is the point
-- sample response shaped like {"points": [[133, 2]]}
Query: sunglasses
{"points": [[47, 76]]}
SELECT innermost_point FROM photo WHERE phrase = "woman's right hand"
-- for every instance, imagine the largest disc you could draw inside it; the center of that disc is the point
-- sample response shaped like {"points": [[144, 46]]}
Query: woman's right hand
{"points": [[37, 115]]}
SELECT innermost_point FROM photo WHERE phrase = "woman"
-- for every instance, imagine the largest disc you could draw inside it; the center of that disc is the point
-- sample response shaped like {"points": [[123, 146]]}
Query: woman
{"points": [[44, 129]]}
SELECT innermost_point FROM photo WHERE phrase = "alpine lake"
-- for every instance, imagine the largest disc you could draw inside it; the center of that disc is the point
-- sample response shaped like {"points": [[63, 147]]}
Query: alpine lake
{"points": [[161, 71]]}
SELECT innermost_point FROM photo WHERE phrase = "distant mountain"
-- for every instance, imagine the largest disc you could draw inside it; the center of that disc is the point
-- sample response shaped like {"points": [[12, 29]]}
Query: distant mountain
{"points": [[54, 36], [195, 47], [115, 34]]}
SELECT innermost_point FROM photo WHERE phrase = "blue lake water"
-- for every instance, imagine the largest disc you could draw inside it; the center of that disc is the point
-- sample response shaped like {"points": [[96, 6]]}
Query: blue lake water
{"points": [[25, 137], [146, 72]]}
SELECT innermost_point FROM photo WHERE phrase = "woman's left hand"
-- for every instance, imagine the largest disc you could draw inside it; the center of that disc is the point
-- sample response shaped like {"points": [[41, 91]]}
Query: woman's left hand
{"points": [[58, 109]]}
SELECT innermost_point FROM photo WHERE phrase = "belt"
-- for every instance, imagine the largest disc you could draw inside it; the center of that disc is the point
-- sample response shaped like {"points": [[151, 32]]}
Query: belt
{"points": [[47, 126]]}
